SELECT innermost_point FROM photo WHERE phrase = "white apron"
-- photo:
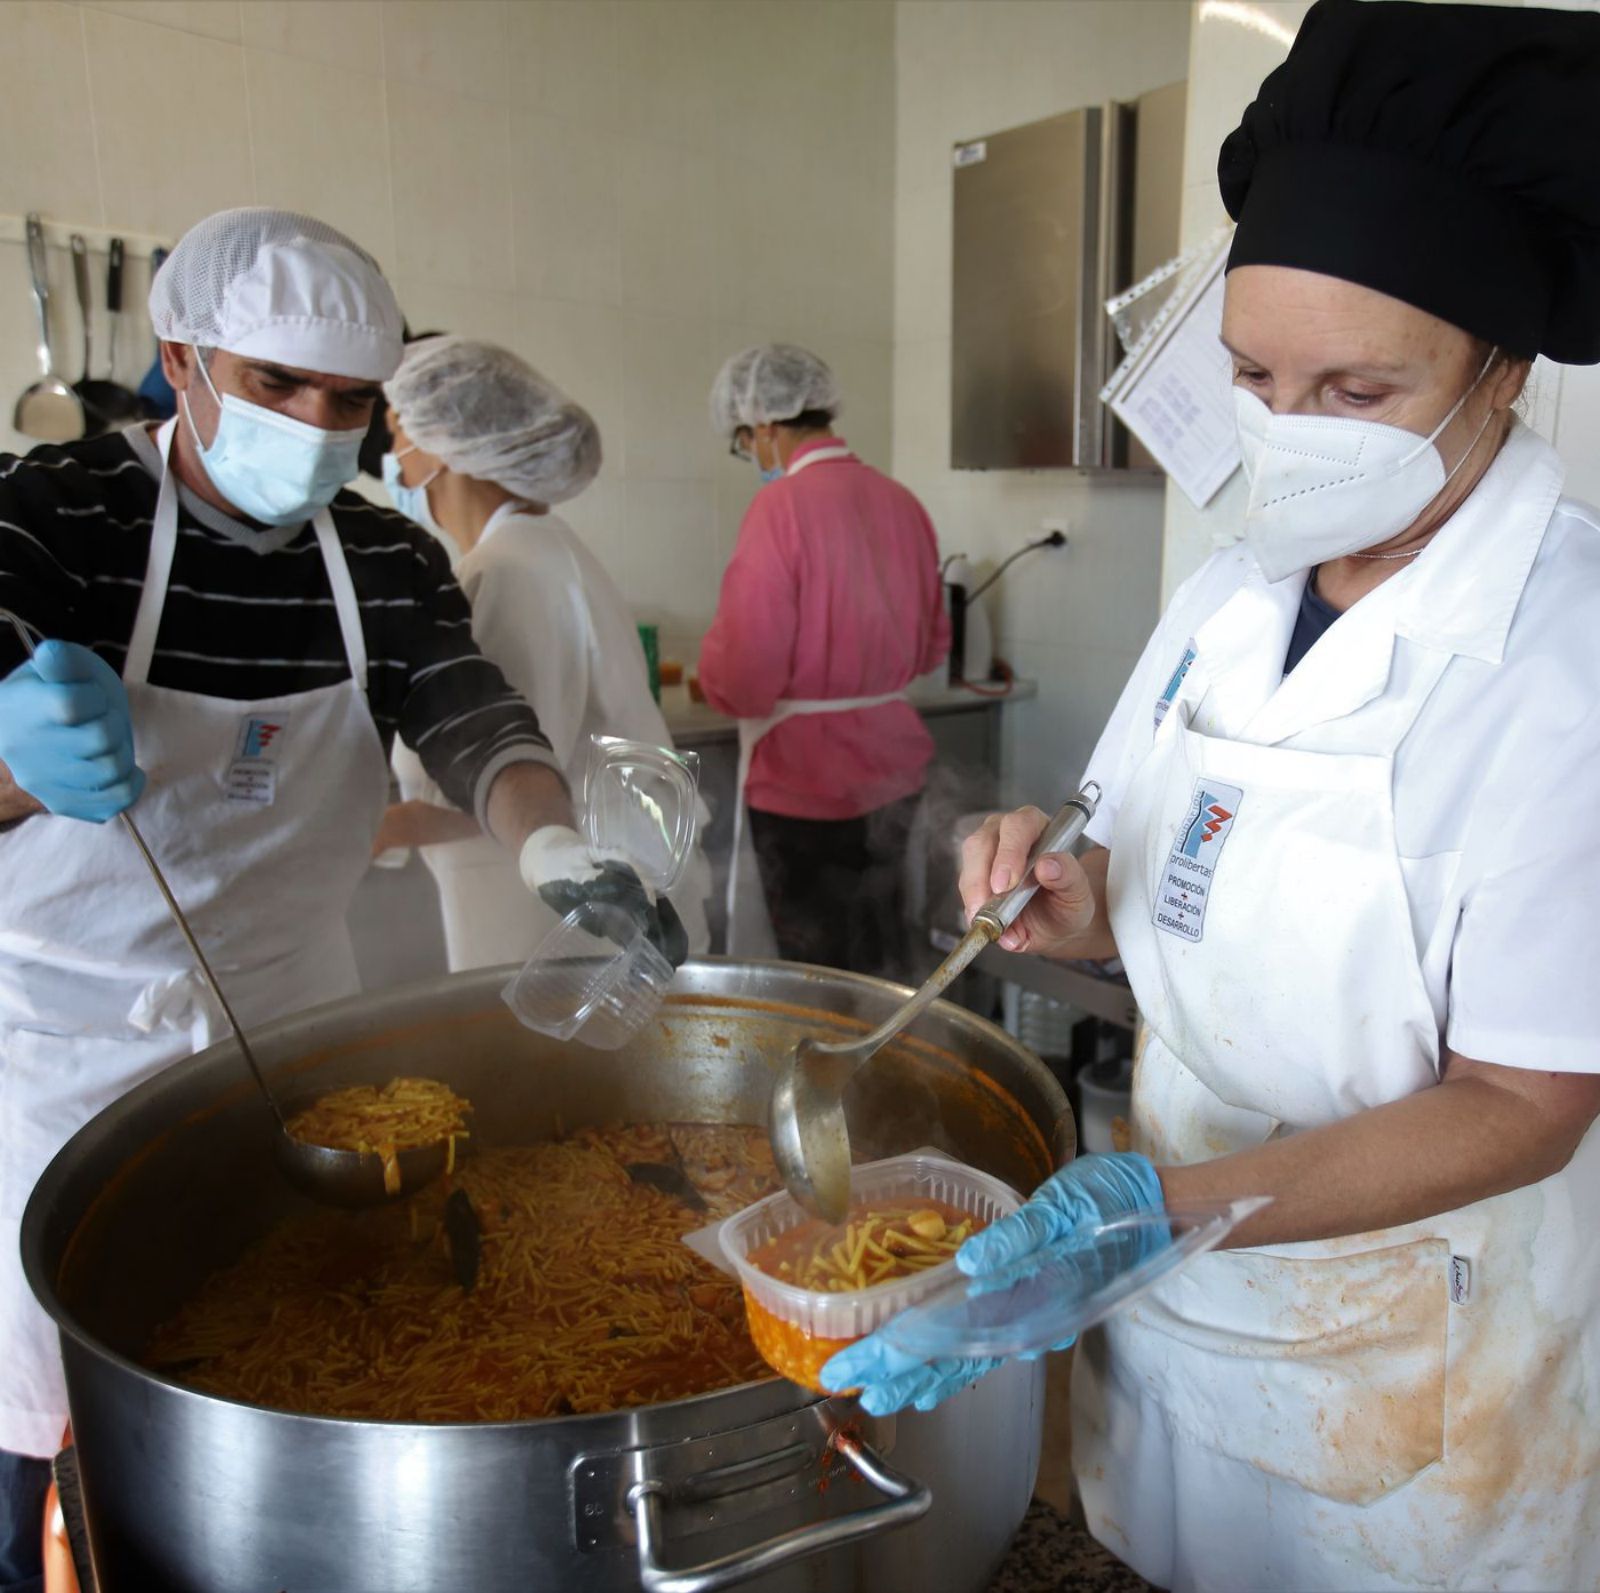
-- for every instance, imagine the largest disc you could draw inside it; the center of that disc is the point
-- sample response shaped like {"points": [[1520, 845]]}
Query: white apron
{"points": [[262, 816], [1393, 1409], [749, 927]]}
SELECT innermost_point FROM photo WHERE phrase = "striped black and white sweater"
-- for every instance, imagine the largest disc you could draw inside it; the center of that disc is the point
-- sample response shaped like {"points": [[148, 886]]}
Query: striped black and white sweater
{"points": [[249, 612]]}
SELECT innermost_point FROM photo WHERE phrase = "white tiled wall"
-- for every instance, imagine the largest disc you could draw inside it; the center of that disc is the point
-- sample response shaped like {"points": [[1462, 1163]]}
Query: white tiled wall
{"points": [[1076, 619], [625, 191]]}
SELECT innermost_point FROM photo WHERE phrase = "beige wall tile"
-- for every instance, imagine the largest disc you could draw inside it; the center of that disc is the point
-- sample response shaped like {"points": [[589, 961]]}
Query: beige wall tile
{"points": [[866, 379], [922, 283], [456, 46], [671, 573], [666, 378], [346, 33], [664, 71], [579, 347], [565, 208], [452, 192], [668, 252], [212, 19], [445, 307], [321, 144], [162, 171], [563, 56], [45, 123]]}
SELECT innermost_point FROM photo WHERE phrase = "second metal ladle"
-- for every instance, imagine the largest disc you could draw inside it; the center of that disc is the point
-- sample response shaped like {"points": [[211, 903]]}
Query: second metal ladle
{"points": [[334, 1177], [806, 1122]]}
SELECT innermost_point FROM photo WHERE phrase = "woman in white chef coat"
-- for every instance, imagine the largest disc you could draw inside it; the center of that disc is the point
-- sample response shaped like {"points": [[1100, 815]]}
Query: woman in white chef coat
{"points": [[483, 447], [1350, 854]]}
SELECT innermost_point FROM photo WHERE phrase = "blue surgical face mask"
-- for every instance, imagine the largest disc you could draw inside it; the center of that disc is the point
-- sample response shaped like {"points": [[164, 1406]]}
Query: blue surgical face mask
{"points": [[771, 474], [412, 502], [271, 467]]}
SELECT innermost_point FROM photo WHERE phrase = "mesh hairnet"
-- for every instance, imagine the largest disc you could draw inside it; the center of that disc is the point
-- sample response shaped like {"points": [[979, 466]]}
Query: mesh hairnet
{"points": [[488, 414], [774, 382], [278, 286]]}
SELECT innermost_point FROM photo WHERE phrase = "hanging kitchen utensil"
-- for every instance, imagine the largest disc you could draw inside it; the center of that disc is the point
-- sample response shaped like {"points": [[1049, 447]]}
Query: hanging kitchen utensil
{"points": [[334, 1177], [115, 254], [106, 405], [49, 410], [157, 401], [805, 1117]]}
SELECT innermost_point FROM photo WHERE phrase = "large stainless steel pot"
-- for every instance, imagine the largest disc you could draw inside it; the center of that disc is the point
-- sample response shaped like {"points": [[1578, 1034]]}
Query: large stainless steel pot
{"points": [[189, 1492]]}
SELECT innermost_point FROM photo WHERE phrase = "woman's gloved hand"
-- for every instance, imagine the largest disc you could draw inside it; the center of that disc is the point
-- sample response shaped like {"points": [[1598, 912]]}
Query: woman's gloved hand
{"points": [[1089, 1191], [66, 734], [1081, 1197], [559, 869]]}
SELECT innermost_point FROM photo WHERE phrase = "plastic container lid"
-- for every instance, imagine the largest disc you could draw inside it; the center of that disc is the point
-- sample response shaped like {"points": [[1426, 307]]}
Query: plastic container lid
{"points": [[641, 804], [797, 1330], [594, 978], [1030, 1306]]}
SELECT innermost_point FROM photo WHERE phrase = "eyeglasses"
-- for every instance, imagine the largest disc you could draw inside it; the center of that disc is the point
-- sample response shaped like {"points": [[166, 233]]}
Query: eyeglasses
{"points": [[739, 444]]}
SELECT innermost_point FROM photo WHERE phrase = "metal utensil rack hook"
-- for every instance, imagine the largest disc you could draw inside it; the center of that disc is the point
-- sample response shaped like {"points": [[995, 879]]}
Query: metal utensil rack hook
{"points": [[26, 633]]}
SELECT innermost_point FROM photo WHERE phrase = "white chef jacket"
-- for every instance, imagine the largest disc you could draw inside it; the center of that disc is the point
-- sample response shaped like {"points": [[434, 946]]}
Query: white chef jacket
{"points": [[1497, 785]]}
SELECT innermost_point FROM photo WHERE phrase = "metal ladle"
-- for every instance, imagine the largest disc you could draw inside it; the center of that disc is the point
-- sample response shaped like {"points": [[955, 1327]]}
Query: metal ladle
{"points": [[49, 410], [334, 1177], [805, 1117]]}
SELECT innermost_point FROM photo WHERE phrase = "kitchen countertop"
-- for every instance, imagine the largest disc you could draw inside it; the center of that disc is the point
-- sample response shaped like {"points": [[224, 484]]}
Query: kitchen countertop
{"points": [[691, 721]]}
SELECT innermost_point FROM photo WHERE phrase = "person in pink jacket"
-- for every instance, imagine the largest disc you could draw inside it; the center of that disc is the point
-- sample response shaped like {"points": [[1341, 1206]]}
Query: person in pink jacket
{"points": [[830, 607]]}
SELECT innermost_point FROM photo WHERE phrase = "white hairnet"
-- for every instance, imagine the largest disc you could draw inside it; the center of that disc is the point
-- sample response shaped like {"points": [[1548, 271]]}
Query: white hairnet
{"points": [[488, 414], [273, 285], [772, 383]]}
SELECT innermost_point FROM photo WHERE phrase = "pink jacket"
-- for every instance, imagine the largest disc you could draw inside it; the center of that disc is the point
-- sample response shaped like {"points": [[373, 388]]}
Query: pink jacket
{"points": [[833, 591]]}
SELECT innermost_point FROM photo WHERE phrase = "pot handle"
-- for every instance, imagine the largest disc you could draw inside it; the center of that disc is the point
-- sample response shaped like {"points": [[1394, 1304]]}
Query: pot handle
{"points": [[907, 1500]]}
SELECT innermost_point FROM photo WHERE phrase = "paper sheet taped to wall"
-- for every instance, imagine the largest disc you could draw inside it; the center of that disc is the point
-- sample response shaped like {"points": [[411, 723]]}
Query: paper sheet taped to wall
{"points": [[1174, 390]]}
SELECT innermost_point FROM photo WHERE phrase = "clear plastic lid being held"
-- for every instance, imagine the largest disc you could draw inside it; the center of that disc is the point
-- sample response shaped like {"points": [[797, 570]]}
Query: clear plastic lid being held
{"points": [[1037, 1304], [641, 804], [594, 977]]}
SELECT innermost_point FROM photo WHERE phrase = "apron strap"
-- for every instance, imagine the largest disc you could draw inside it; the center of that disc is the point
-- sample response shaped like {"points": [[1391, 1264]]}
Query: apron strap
{"points": [[345, 603], [157, 570], [751, 731], [158, 574]]}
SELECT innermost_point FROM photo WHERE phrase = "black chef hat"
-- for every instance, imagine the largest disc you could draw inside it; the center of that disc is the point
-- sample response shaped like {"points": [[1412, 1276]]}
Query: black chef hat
{"points": [[1447, 155]]}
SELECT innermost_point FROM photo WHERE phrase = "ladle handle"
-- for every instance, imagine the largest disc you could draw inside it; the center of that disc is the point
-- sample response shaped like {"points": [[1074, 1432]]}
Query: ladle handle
{"points": [[39, 276], [23, 630], [115, 252], [200, 959], [999, 913], [80, 277]]}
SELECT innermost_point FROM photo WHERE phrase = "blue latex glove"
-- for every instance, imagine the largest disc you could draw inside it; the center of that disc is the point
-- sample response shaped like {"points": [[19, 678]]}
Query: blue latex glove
{"points": [[1088, 1192], [66, 734], [1093, 1189]]}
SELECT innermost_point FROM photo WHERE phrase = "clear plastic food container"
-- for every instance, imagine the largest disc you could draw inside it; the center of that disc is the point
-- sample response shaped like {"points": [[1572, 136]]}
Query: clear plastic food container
{"points": [[595, 978], [798, 1329]]}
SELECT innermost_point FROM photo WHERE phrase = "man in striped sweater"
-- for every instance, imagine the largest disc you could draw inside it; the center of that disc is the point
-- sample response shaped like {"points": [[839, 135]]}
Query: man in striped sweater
{"points": [[232, 641]]}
